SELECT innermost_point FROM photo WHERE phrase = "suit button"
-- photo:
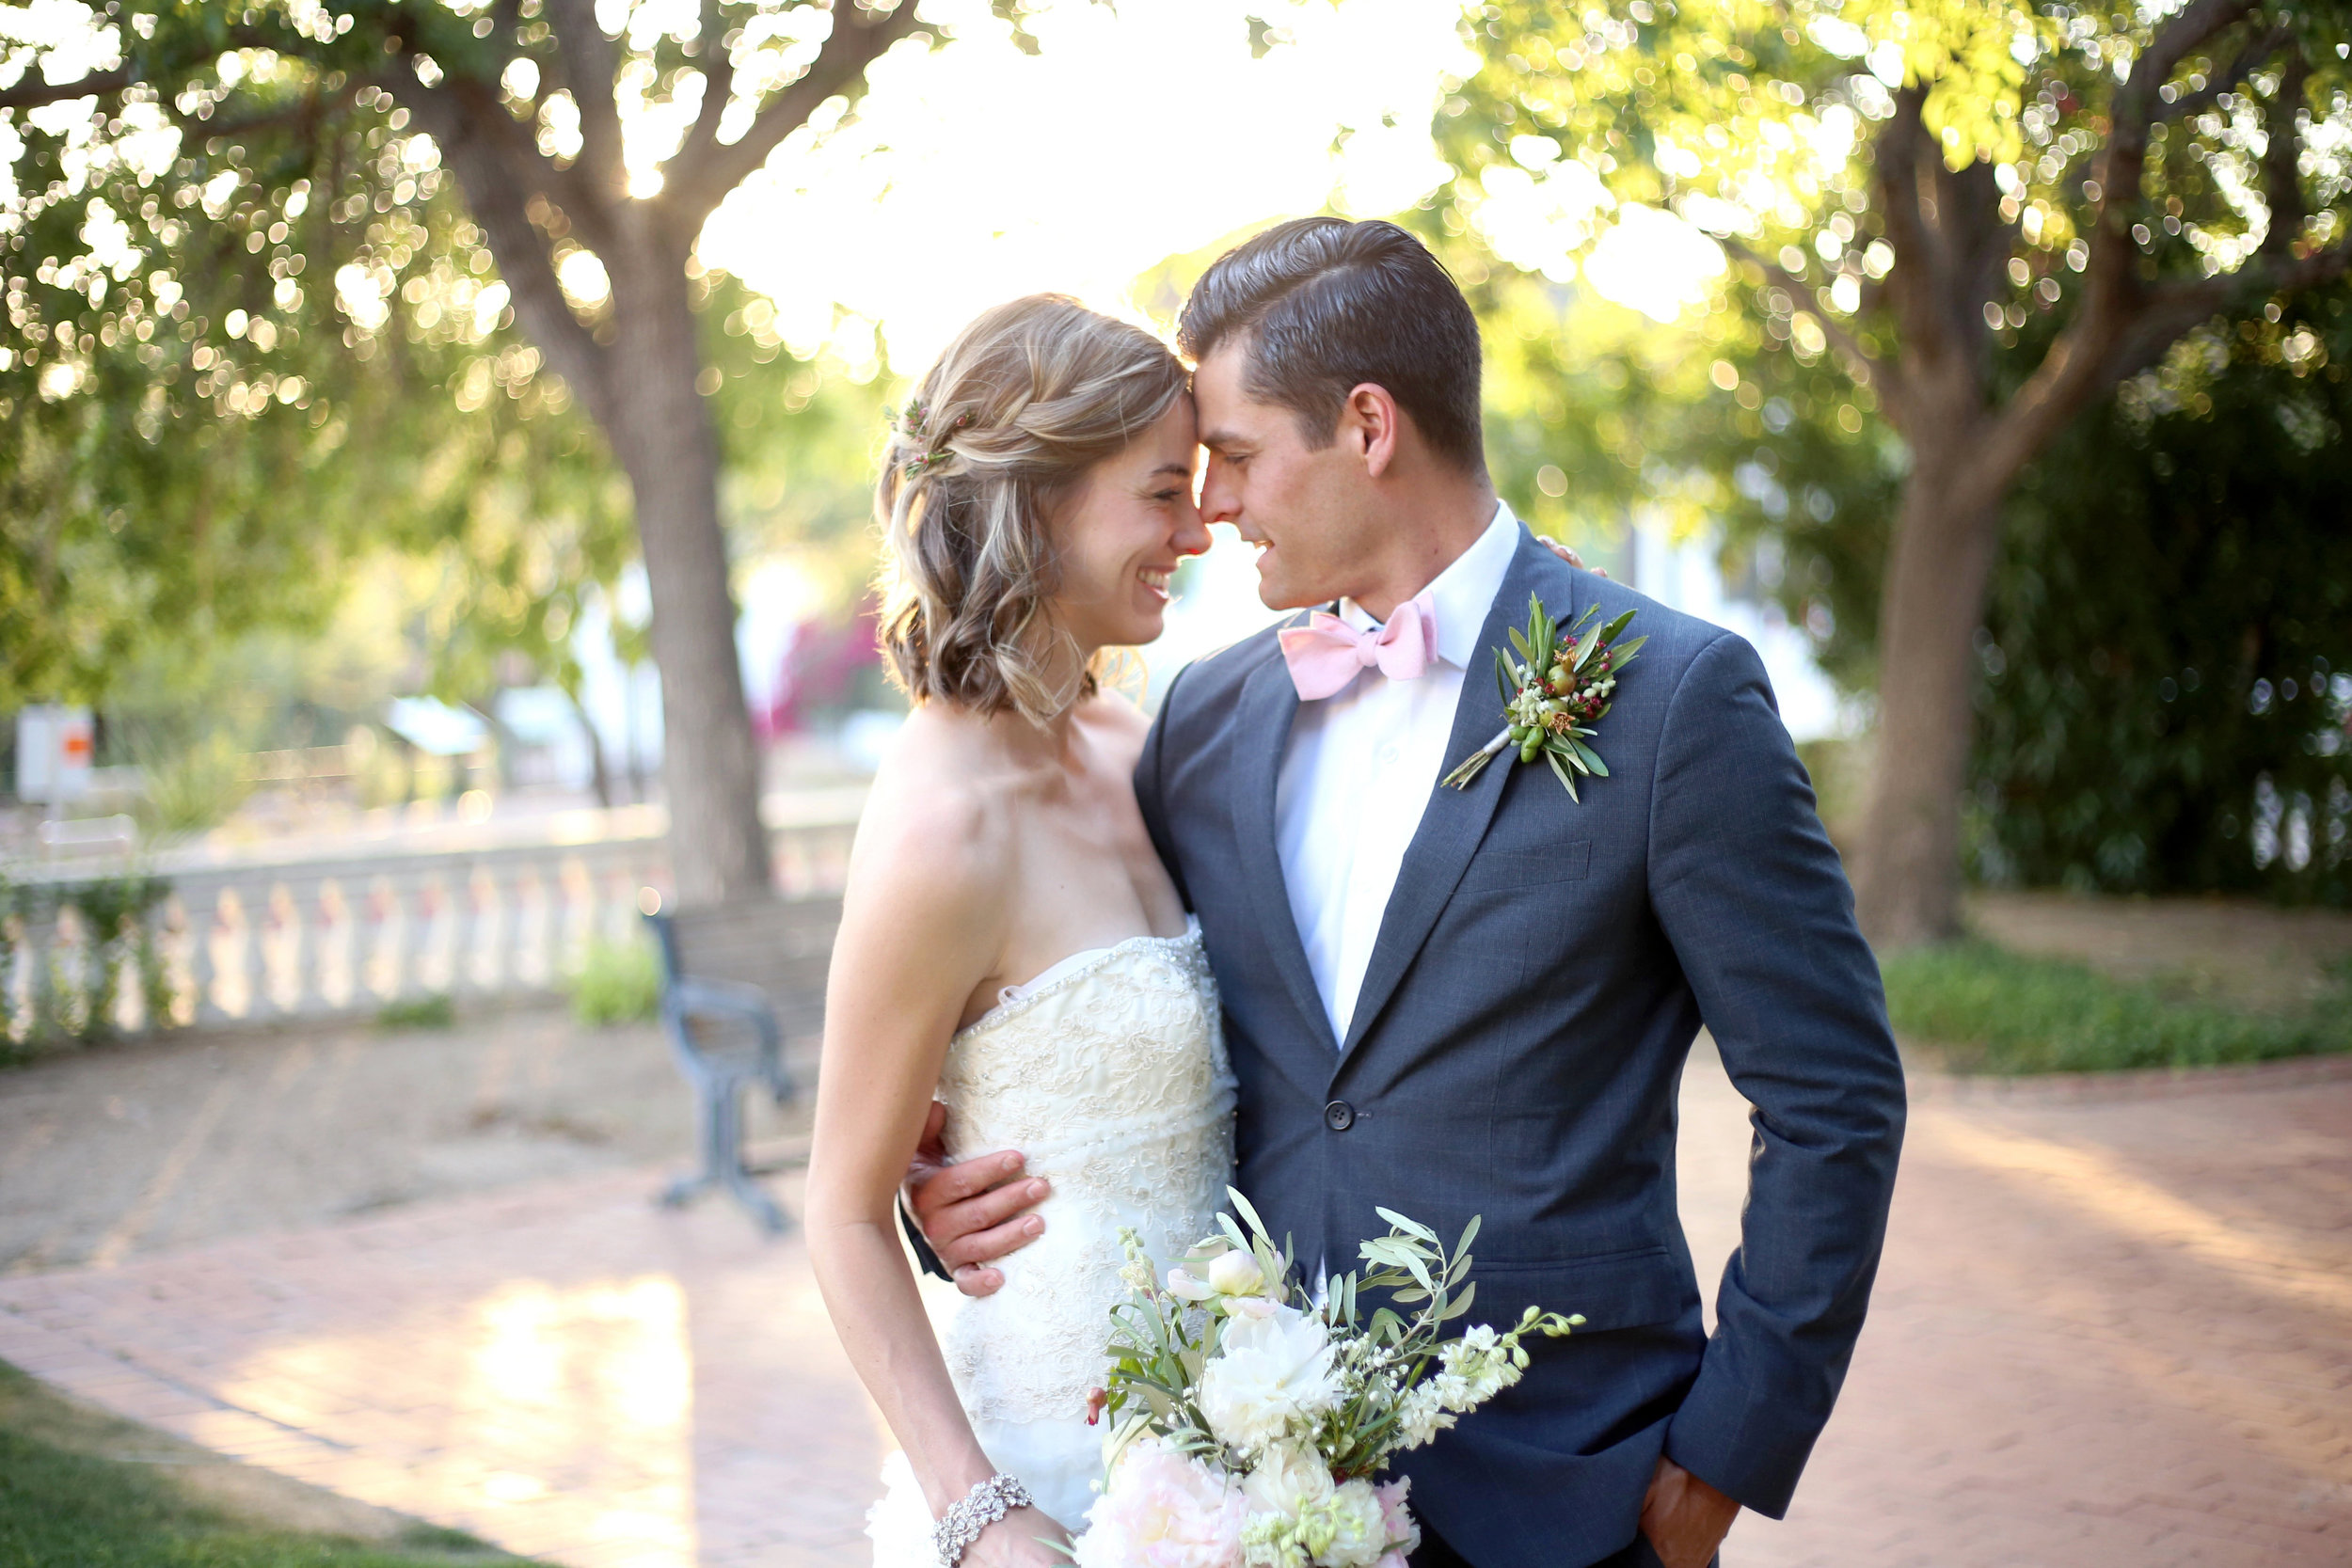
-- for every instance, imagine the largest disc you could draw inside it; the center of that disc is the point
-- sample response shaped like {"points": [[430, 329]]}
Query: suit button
{"points": [[1339, 1115]]}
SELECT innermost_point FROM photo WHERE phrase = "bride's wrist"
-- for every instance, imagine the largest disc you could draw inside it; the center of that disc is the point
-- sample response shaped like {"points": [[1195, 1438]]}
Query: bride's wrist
{"points": [[947, 1478], [964, 1520]]}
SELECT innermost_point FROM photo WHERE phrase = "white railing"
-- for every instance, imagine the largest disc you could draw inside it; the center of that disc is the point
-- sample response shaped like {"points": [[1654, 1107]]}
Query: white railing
{"points": [[324, 938]]}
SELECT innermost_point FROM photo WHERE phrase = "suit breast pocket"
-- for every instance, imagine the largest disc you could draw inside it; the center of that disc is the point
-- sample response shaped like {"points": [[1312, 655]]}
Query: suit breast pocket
{"points": [[1500, 889], [1504, 870]]}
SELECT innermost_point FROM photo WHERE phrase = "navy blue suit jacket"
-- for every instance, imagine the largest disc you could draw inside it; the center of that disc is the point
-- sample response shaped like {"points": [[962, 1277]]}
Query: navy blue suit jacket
{"points": [[1540, 973]]}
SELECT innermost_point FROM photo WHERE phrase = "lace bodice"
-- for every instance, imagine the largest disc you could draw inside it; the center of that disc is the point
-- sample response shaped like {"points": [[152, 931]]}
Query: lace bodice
{"points": [[1110, 1076], [1108, 1072]]}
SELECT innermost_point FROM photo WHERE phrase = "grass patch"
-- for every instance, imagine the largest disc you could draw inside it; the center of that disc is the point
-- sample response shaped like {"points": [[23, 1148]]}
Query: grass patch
{"points": [[66, 1498], [618, 982], [419, 1012], [1994, 1011]]}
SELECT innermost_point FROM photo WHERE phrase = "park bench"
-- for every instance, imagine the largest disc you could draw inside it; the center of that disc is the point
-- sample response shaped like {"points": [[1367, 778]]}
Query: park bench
{"points": [[740, 980]]}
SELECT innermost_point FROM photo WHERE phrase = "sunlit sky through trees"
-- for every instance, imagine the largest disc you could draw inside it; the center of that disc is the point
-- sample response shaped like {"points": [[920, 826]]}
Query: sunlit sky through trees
{"points": [[977, 173]]}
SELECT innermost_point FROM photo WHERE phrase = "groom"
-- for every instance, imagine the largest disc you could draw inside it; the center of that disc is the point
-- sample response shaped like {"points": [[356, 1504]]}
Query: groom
{"points": [[1479, 1001]]}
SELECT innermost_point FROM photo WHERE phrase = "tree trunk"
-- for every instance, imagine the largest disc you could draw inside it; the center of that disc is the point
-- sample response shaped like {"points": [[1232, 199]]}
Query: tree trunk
{"points": [[599, 770], [710, 767], [1937, 575]]}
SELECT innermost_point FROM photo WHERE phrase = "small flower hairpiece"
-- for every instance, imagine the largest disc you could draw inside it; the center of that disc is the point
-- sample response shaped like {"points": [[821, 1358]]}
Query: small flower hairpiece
{"points": [[910, 426]]}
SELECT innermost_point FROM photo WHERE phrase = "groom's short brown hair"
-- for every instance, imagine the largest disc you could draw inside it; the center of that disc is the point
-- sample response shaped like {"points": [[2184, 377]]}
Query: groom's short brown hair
{"points": [[1326, 306]]}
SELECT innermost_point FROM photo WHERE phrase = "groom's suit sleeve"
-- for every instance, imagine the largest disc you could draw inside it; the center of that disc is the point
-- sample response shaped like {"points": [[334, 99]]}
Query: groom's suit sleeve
{"points": [[1750, 892]]}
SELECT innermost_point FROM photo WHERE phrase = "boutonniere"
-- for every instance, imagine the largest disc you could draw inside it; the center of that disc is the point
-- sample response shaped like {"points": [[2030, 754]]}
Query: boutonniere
{"points": [[1552, 701]]}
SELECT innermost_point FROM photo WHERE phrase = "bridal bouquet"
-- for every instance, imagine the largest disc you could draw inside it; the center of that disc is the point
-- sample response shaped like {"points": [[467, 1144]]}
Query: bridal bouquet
{"points": [[1248, 1419]]}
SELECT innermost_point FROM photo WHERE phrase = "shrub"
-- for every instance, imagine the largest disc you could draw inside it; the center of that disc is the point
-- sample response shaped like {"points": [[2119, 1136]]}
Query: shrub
{"points": [[192, 787], [69, 1005], [2163, 696], [618, 982]]}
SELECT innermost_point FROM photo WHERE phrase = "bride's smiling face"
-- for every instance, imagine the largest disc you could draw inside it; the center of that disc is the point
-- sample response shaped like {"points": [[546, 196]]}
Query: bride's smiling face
{"points": [[1120, 535]]}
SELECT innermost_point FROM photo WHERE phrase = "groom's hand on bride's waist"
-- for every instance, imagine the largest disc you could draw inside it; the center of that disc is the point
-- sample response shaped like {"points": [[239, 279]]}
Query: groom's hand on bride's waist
{"points": [[973, 1212]]}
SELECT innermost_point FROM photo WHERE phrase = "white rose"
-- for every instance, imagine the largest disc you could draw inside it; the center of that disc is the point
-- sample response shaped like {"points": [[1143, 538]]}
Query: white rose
{"points": [[1270, 1374], [1289, 1480], [1359, 1530], [1236, 1274]]}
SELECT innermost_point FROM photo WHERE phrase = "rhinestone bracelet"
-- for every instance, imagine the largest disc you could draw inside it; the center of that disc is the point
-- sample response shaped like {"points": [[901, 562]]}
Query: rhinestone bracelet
{"points": [[981, 1506]]}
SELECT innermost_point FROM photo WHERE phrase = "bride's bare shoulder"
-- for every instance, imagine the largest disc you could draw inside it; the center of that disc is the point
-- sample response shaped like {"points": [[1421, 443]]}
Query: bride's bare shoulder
{"points": [[939, 806], [930, 878]]}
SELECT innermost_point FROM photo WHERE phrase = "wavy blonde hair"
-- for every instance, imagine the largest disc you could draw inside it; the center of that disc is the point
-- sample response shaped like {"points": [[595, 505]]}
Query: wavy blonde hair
{"points": [[998, 434]]}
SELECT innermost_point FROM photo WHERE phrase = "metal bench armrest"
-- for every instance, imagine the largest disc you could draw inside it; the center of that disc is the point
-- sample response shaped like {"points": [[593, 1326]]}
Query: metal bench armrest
{"points": [[690, 996], [688, 999]]}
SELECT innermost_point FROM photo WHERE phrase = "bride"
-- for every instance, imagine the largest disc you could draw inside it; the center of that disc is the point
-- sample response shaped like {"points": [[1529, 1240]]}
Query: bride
{"points": [[1009, 943]]}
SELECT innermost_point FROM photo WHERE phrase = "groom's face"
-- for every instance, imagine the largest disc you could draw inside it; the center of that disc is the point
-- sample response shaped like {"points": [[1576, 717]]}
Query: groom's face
{"points": [[1309, 510]]}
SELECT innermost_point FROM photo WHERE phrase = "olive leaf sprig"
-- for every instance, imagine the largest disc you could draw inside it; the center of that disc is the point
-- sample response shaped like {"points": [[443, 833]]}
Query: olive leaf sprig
{"points": [[1552, 701]]}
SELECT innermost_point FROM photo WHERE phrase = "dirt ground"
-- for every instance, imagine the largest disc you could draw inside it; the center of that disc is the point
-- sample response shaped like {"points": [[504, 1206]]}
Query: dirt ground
{"points": [[2231, 949], [120, 1151]]}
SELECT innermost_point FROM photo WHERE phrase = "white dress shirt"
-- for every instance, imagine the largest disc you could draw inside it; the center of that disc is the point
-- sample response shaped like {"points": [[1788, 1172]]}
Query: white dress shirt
{"points": [[1358, 770]]}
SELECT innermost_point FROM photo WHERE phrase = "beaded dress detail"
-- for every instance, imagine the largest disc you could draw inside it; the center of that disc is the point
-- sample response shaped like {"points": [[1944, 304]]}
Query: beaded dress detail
{"points": [[1109, 1074]]}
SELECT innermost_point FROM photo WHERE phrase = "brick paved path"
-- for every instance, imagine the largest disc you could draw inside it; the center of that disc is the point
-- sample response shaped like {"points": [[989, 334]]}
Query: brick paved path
{"points": [[566, 1370], [2112, 1328], [2115, 1326]]}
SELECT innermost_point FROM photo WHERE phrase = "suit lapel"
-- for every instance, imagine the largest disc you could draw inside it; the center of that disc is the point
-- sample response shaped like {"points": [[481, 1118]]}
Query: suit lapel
{"points": [[1456, 819], [1268, 705]]}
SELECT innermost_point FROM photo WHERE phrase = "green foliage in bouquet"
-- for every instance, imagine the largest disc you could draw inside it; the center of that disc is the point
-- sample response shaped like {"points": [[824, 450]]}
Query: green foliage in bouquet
{"points": [[1391, 1380]]}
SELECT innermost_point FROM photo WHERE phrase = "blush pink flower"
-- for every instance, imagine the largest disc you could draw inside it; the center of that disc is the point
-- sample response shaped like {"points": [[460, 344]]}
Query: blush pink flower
{"points": [[1404, 1532], [1163, 1510]]}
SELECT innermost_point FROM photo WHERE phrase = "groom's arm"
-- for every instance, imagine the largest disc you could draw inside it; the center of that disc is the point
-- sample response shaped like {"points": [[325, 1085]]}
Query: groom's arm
{"points": [[977, 1204], [1751, 893]]}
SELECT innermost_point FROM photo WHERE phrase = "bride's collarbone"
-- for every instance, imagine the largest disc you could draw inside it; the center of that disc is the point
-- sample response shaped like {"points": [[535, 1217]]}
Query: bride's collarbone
{"points": [[1073, 867]]}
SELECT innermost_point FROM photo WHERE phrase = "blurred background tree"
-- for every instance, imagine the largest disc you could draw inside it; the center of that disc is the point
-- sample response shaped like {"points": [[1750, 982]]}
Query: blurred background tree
{"points": [[1592, 409], [202, 456], [300, 151], [2160, 686], [1903, 187]]}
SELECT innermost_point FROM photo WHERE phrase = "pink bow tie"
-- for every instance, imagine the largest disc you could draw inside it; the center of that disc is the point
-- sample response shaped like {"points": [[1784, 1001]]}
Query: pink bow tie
{"points": [[1326, 653]]}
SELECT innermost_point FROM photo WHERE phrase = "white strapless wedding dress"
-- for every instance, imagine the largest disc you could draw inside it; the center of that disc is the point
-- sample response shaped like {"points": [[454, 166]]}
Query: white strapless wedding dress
{"points": [[1109, 1073]]}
